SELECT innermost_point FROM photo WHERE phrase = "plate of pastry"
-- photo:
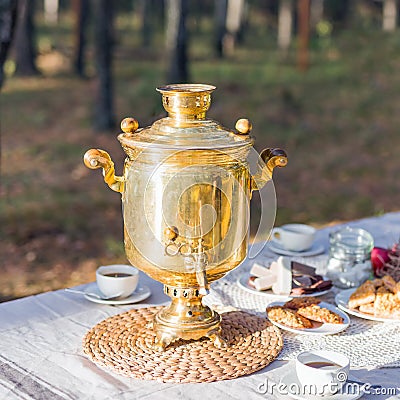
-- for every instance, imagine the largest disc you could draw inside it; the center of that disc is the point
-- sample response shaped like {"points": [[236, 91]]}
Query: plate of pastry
{"points": [[307, 316], [376, 300], [284, 278]]}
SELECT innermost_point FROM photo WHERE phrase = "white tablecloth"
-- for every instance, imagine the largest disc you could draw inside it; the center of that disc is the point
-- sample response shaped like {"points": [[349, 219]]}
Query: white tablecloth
{"points": [[41, 353]]}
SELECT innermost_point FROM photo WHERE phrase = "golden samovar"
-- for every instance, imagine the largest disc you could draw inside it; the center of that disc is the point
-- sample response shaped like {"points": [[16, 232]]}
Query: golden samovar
{"points": [[185, 189]]}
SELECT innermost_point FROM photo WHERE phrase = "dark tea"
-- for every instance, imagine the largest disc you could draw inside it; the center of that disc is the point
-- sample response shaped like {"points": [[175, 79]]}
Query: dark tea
{"points": [[323, 365], [117, 274]]}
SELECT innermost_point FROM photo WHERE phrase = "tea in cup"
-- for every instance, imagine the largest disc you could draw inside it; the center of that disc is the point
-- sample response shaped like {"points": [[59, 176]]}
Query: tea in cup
{"points": [[294, 237], [322, 372], [117, 280]]}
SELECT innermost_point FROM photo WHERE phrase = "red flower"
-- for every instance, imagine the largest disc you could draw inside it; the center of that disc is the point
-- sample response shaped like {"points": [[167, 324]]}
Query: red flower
{"points": [[379, 257]]}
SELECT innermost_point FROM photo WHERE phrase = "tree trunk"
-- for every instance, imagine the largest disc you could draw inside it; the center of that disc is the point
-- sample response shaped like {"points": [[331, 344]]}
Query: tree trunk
{"points": [[8, 17], [390, 11], [81, 9], [51, 11], [316, 12], [220, 10], [285, 24], [176, 41], [338, 12], [234, 19], [25, 52], [145, 14], [304, 34], [104, 113]]}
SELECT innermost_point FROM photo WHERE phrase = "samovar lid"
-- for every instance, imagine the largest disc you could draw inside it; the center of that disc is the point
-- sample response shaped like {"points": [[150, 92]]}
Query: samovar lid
{"points": [[186, 126]]}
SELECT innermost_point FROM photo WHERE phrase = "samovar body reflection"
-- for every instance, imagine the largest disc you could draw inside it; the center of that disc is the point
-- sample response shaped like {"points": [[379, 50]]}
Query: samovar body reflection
{"points": [[185, 192]]}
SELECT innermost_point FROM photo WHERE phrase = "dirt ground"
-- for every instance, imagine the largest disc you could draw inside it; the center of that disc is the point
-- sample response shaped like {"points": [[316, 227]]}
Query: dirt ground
{"points": [[338, 123]]}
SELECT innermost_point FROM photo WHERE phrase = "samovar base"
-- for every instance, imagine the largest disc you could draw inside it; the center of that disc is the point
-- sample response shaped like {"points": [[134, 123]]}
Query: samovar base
{"points": [[186, 318]]}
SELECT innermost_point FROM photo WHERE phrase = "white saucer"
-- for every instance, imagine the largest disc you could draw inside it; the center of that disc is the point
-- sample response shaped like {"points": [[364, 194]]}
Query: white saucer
{"points": [[243, 282], [315, 250], [342, 299], [294, 390], [142, 292], [324, 329]]}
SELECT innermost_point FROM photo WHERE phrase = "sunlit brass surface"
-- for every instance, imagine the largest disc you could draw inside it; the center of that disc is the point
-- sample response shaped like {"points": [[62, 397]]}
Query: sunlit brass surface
{"points": [[186, 318], [185, 191], [96, 158]]}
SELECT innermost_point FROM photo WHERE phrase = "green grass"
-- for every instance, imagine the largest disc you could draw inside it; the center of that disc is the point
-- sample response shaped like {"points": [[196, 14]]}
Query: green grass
{"points": [[336, 114], [338, 122]]}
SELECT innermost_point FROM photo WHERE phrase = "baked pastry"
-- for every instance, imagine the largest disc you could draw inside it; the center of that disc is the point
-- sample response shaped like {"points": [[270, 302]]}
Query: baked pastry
{"points": [[299, 302], [379, 297], [288, 317], [397, 290], [386, 303], [367, 308], [377, 282], [363, 295], [320, 314], [389, 283]]}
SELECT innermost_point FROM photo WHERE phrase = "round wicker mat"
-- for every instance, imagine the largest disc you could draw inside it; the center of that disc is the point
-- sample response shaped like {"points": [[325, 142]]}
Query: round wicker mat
{"points": [[123, 344]]}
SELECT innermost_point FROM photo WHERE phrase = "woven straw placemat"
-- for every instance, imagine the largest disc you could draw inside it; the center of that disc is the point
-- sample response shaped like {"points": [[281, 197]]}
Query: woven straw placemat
{"points": [[123, 344]]}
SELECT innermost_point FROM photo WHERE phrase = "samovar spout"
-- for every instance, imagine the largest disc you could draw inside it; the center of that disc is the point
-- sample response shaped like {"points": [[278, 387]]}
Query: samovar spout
{"points": [[196, 259], [268, 160]]}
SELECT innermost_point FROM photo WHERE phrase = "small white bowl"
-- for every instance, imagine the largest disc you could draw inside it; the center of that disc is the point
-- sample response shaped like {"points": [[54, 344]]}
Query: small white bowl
{"points": [[319, 379], [117, 280]]}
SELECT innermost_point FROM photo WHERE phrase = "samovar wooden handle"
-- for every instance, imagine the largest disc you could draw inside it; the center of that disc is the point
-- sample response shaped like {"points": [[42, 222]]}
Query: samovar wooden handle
{"points": [[96, 158], [272, 158]]}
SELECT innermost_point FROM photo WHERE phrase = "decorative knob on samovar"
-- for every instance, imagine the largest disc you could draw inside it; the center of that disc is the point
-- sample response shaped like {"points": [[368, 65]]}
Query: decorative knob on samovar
{"points": [[243, 126], [129, 125]]}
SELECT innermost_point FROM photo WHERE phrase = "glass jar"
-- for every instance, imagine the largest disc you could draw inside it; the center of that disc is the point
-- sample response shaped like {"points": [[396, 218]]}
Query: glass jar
{"points": [[349, 263]]}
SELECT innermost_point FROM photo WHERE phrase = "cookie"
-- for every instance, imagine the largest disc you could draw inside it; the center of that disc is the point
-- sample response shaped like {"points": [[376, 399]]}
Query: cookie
{"points": [[288, 317], [298, 302], [320, 314]]}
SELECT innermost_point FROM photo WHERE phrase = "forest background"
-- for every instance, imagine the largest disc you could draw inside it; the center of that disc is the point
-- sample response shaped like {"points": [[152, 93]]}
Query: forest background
{"points": [[318, 78]]}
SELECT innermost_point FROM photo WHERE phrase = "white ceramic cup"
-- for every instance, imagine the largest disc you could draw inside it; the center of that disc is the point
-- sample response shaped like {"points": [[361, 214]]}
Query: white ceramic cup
{"points": [[112, 284], [294, 237], [322, 372]]}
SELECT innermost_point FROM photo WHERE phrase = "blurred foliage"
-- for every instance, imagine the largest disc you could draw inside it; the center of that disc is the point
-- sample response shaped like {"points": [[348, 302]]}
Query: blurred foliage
{"points": [[338, 123]]}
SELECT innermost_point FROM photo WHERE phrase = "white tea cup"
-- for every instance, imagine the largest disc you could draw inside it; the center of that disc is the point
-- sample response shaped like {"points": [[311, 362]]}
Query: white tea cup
{"points": [[294, 237], [322, 372], [117, 280]]}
